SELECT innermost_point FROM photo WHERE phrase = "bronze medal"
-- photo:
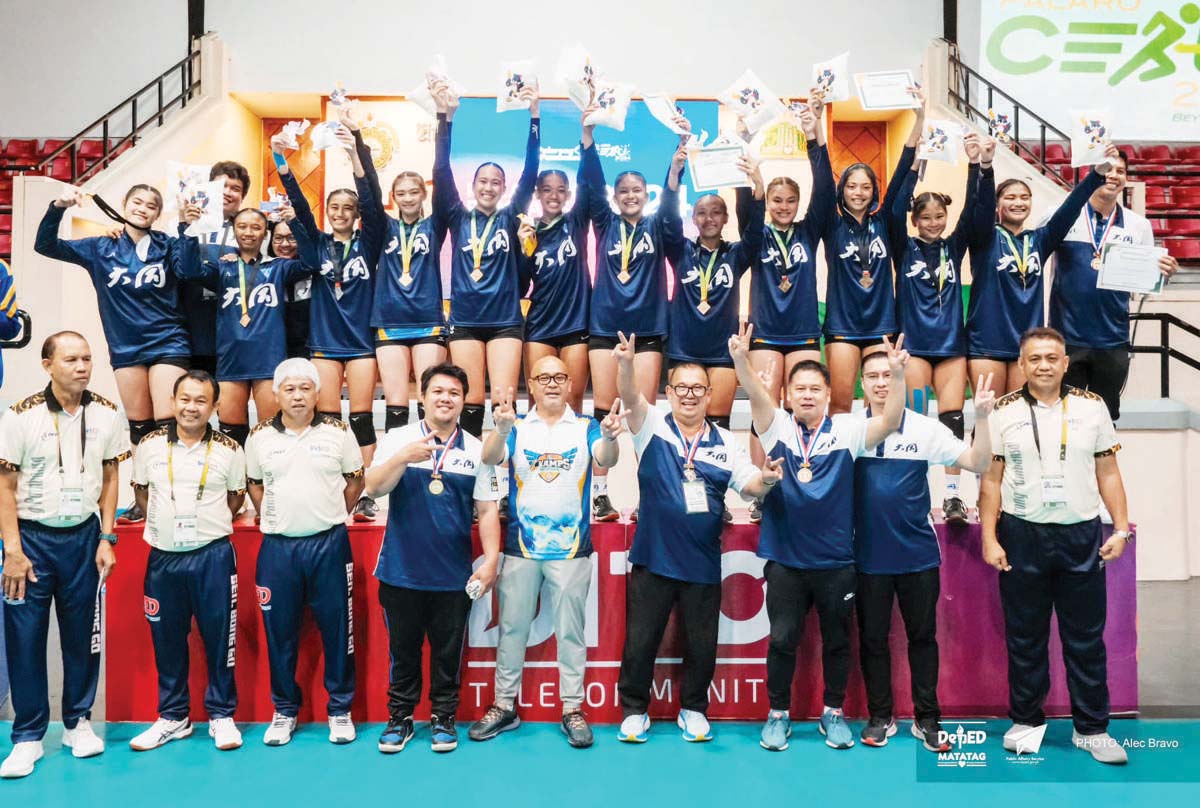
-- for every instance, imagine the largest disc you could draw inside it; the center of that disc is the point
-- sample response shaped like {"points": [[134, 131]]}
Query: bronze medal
{"points": [[866, 279], [785, 284], [245, 321], [406, 280], [623, 276], [703, 307], [1096, 262], [477, 276]]}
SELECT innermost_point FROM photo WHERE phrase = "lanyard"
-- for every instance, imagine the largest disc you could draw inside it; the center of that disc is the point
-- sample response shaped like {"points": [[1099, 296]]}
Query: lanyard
{"points": [[941, 270], [862, 240], [203, 472], [1097, 246], [406, 247], [443, 447], [1023, 259], [806, 447], [689, 446], [626, 249], [783, 242], [1062, 449], [82, 441], [337, 281], [479, 244], [245, 321], [705, 277]]}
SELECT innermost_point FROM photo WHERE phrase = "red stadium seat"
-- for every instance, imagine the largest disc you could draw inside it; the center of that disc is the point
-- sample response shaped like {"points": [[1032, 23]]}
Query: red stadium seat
{"points": [[1184, 227], [6, 190], [1067, 172], [1158, 153], [5, 246], [20, 149], [1188, 154], [1161, 227], [1131, 151], [49, 145], [1185, 196], [1057, 153], [60, 169], [6, 223], [1185, 249], [91, 149]]}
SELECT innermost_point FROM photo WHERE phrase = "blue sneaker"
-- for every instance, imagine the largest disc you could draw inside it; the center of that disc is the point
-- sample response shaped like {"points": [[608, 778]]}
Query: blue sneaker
{"points": [[635, 728], [445, 736], [776, 731], [694, 726], [396, 735], [835, 729]]}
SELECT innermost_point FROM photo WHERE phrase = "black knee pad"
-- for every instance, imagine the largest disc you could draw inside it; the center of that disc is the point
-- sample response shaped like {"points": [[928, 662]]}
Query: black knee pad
{"points": [[161, 422], [362, 424], [394, 418], [954, 422], [472, 419], [139, 430], [721, 421], [420, 411], [239, 432], [600, 414]]}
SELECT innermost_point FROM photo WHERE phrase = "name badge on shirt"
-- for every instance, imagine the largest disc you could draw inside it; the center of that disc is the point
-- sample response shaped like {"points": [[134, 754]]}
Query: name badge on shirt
{"points": [[70, 502], [186, 530], [1054, 491], [694, 496]]}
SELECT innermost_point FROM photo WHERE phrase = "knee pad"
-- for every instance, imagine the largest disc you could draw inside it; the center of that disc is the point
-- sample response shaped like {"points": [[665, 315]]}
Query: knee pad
{"points": [[239, 432], [394, 418], [362, 424], [161, 422], [420, 411], [721, 421], [140, 429], [918, 400], [600, 414], [954, 422], [472, 419]]}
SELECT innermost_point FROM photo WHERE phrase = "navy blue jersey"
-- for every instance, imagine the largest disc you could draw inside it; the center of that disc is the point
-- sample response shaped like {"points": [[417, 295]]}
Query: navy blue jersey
{"points": [[929, 274], [343, 288], [487, 296], [706, 298], [783, 281], [251, 333], [1007, 297], [859, 302], [1090, 317], [558, 301], [136, 285], [634, 299], [199, 303]]}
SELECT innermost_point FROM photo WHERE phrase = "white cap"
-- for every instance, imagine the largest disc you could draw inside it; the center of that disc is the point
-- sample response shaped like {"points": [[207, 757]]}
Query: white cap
{"points": [[295, 368]]}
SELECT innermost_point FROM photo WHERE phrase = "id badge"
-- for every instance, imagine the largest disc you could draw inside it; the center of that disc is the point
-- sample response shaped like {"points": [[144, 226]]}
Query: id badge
{"points": [[70, 502], [1054, 491], [185, 534], [695, 497]]}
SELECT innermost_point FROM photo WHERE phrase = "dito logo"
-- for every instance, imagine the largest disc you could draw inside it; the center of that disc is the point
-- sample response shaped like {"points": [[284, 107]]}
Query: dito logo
{"points": [[151, 607], [264, 597]]}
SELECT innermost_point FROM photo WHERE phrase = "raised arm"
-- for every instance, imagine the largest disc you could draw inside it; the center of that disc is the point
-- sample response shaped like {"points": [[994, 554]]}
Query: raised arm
{"points": [[880, 426], [762, 403], [592, 194], [304, 214], [632, 400], [447, 204], [966, 230], [47, 243], [822, 208], [668, 214], [899, 201], [523, 194], [750, 210], [1061, 221]]}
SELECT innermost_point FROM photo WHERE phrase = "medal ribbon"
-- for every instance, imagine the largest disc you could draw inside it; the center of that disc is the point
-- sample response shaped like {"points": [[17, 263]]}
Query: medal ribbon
{"points": [[689, 446], [783, 242], [444, 447], [203, 472], [807, 447], [1022, 259], [626, 247], [477, 244], [706, 276], [406, 247], [1098, 246], [242, 289]]}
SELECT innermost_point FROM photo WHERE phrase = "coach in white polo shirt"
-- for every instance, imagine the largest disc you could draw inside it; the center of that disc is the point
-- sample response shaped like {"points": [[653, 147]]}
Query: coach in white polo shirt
{"points": [[304, 471], [1055, 459], [189, 480], [549, 454], [59, 452]]}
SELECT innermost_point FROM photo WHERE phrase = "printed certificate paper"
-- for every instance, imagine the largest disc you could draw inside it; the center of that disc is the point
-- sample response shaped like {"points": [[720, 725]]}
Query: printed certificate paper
{"points": [[887, 90], [717, 167], [1131, 268]]}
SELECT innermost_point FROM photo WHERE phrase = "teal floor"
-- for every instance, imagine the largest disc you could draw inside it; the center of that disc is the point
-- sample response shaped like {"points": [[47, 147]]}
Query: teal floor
{"points": [[534, 766]]}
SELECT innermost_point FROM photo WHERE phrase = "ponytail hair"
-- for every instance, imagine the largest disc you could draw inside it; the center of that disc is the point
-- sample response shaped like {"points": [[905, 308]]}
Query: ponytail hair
{"points": [[640, 176], [924, 200], [350, 192], [1008, 183], [552, 172], [494, 165], [787, 181], [408, 175]]}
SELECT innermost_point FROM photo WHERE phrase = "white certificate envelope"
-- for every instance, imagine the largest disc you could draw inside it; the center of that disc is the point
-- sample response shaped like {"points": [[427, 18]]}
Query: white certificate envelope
{"points": [[942, 140], [664, 110], [833, 77], [717, 167], [515, 77], [1131, 268], [886, 90], [1090, 133]]}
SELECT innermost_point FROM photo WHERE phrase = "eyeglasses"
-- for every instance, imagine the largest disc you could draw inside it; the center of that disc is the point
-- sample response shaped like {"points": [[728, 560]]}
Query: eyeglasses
{"points": [[546, 378], [685, 390], [284, 239]]}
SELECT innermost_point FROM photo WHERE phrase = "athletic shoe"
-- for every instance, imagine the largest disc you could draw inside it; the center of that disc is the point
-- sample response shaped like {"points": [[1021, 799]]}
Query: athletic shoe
{"points": [[603, 510], [694, 726], [83, 740], [494, 721], [927, 731], [21, 759], [1011, 735], [341, 729], [160, 732], [835, 729], [1102, 746], [575, 726], [224, 733], [365, 510], [755, 512], [635, 728], [396, 735], [502, 507], [877, 731], [132, 515], [954, 511], [776, 731], [280, 731], [445, 736]]}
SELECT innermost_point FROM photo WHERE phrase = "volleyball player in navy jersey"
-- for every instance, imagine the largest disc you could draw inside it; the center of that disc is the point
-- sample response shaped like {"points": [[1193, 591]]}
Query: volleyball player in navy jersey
{"points": [[929, 291], [251, 335], [557, 321], [340, 340], [137, 290], [860, 309], [281, 243], [486, 324], [1007, 278]]}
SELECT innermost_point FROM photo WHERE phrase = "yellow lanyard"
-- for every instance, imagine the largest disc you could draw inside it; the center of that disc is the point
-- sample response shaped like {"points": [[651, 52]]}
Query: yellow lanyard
{"points": [[705, 277], [242, 288], [478, 244], [1023, 259], [626, 248], [406, 247], [337, 281], [203, 472], [941, 273], [783, 242]]}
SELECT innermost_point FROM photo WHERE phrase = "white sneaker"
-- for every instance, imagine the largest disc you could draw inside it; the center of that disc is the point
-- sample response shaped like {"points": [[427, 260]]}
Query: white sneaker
{"points": [[159, 733], [341, 729], [281, 729], [225, 733], [20, 760], [1013, 733], [694, 726], [634, 728], [1102, 746], [83, 740]]}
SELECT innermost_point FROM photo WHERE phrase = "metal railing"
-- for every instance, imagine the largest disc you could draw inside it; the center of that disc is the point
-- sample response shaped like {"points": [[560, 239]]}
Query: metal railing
{"points": [[960, 80], [1164, 350], [186, 71]]}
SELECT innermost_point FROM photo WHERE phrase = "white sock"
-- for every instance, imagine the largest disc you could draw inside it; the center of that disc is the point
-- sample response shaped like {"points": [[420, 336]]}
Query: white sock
{"points": [[951, 485], [599, 485]]}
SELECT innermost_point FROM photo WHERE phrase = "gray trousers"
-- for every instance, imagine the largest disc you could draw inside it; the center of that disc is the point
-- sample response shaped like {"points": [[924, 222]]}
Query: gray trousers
{"points": [[567, 583]]}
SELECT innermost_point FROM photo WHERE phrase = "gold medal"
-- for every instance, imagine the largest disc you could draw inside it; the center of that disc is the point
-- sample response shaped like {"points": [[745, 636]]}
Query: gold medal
{"points": [[785, 284], [703, 307], [477, 276], [866, 279], [406, 280], [1096, 262], [436, 487], [623, 276], [245, 321], [804, 475]]}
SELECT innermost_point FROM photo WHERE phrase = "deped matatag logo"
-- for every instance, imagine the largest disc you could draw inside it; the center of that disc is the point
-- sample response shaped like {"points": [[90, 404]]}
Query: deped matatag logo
{"points": [[966, 746]]}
